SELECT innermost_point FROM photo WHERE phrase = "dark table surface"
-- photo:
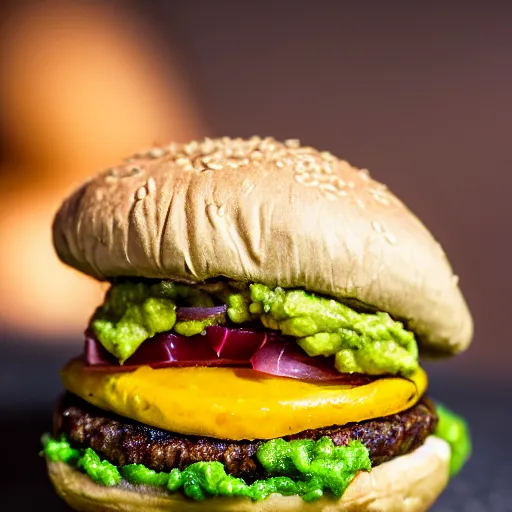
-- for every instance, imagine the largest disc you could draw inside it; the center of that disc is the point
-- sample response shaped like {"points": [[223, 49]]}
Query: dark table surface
{"points": [[30, 383]]}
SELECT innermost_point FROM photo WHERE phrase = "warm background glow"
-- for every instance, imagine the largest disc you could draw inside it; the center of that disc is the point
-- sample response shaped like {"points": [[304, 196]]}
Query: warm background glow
{"points": [[417, 92], [419, 96], [82, 86]]}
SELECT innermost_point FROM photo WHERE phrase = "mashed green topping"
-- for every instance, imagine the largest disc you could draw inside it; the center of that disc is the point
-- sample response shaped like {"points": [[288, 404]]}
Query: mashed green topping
{"points": [[303, 467], [371, 343], [59, 450], [455, 431], [361, 342], [101, 471], [134, 312]]}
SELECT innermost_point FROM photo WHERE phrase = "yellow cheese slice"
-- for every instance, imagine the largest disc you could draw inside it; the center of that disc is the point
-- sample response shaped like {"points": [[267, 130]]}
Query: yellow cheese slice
{"points": [[234, 403]]}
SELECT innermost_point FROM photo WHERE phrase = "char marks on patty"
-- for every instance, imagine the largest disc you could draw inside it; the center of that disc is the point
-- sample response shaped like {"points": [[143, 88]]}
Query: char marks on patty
{"points": [[123, 441]]}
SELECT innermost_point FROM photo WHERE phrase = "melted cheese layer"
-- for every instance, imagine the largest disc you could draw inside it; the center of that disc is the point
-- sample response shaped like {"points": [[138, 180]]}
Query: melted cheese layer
{"points": [[234, 403]]}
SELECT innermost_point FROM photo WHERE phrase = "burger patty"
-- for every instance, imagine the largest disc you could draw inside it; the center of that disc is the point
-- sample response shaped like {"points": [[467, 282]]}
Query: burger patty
{"points": [[123, 441]]}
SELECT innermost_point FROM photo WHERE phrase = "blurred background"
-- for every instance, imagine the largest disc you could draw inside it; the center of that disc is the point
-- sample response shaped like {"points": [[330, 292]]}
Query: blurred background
{"points": [[418, 92]]}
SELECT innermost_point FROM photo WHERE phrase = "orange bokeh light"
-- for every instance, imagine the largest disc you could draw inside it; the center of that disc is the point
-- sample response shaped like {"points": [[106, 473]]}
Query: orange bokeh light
{"points": [[83, 86]]}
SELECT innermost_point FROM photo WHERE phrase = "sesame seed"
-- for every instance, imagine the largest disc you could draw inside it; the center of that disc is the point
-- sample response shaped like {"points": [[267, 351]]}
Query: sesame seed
{"points": [[207, 146], [389, 237], [455, 280], [327, 167], [141, 193], [191, 147], [151, 185], [279, 164], [182, 161], [222, 211], [156, 152], [268, 146], [215, 166], [342, 192], [326, 155], [256, 155], [381, 199], [360, 204], [376, 226], [351, 184], [292, 143], [328, 187]]}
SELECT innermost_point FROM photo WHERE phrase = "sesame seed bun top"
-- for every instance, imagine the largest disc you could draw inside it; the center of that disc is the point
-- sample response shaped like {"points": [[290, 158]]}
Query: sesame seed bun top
{"points": [[262, 211]]}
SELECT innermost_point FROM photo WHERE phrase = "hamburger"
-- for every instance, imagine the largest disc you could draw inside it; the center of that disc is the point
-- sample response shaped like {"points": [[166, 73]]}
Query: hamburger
{"points": [[258, 345]]}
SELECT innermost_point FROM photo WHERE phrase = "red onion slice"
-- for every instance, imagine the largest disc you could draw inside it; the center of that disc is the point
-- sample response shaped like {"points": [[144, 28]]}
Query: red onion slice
{"points": [[161, 351], [235, 343], [285, 358], [96, 354], [266, 351], [200, 313]]}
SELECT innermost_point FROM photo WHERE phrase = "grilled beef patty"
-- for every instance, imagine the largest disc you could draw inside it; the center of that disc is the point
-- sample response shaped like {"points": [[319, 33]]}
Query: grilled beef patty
{"points": [[123, 441]]}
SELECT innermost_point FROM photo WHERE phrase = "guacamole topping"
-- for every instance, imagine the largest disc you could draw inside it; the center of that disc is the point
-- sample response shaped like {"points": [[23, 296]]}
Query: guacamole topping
{"points": [[134, 312], [302, 467], [370, 343], [455, 431], [361, 342]]}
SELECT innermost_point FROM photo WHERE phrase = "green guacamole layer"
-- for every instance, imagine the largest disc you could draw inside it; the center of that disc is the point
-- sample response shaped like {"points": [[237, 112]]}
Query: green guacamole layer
{"points": [[303, 467], [370, 343], [455, 431]]}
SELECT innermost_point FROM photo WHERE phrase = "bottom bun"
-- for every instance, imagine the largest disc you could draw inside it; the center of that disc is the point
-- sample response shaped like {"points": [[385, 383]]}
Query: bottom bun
{"points": [[409, 483]]}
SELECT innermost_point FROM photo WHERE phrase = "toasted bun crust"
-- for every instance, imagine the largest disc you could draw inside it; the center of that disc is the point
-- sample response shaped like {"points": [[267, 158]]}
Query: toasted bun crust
{"points": [[266, 212], [410, 483]]}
